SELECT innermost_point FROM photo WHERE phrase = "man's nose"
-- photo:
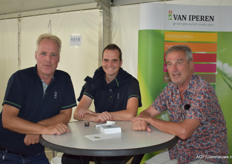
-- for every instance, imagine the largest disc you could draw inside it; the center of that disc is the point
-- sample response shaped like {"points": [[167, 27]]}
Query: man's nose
{"points": [[110, 63], [48, 58], [174, 67]]}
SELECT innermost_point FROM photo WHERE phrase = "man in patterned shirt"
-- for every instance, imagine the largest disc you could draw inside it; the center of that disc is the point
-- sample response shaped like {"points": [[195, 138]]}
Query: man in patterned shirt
{"points": [[196, 116]]}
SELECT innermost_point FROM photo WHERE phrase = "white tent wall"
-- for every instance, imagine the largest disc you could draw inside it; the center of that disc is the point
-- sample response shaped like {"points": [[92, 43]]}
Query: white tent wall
{"points": [[124, 32], [8, 52], [77, 61]]}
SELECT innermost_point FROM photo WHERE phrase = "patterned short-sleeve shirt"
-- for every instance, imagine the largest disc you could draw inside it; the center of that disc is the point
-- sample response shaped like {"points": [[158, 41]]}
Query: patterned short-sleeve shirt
{"points": [[209, 140]]}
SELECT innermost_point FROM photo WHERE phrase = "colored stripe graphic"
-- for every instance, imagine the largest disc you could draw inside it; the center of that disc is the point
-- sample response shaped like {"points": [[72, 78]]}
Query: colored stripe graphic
{"points": [[211, 78], [198, 57], [205, 68], [196, 47], [200, 68], [190, 36], [202, 57]]}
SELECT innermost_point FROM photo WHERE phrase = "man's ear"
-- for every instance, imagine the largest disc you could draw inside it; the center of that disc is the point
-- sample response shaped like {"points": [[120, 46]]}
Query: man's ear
{"points": [[121, 63], [191, 65], [35, 54]]}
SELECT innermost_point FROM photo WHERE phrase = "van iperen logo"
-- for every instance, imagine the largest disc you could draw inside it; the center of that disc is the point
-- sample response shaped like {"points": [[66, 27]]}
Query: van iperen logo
{"points": [[170, 15], [192, 18]]}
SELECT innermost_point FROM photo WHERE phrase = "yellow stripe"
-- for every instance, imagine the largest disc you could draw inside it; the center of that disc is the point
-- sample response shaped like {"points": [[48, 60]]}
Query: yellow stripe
{"points": [[190, 36]]}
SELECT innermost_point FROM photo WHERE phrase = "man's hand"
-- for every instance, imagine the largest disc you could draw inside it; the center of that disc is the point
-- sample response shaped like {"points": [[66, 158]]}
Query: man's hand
{"points": [[57, 129], [139, 124], [103, 117], [31, 139]]}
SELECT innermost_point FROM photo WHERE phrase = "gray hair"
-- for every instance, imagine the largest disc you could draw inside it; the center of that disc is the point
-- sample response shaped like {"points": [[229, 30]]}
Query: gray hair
{"points": [[50, 37], [183, 48]]}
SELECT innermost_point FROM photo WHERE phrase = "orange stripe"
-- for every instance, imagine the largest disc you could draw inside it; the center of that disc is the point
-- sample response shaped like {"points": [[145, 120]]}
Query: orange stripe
{"points": [[196, 47]]}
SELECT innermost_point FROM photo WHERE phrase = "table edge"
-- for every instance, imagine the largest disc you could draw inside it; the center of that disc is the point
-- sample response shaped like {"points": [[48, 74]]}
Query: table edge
{"points": [[108, 152]]}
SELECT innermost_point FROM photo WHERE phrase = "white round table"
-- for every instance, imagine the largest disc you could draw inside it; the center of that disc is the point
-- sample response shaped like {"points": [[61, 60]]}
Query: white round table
{"points": [[126, 143]]}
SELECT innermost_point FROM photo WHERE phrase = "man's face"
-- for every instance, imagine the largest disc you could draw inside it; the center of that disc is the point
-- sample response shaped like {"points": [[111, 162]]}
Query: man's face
{"points": [[111, 63], [47, 57], [179, 69]]}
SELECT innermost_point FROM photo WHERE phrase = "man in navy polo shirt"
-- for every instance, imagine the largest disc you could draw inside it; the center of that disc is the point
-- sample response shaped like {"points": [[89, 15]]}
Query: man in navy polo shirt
{"points": [[38, 100], [116, 96], [115, 92]]}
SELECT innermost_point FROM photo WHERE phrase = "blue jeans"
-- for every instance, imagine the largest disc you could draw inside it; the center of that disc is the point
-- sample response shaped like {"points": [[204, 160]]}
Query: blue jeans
{"points": [[9, 158]]}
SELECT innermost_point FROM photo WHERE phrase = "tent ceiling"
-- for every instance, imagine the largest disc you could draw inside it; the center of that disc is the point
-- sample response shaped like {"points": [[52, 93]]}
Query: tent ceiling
{"points": [[21, 6], [18, 8]]}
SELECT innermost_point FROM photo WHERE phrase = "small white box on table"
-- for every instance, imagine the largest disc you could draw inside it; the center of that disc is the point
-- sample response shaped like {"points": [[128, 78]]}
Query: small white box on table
{"points": [[109, 129]]}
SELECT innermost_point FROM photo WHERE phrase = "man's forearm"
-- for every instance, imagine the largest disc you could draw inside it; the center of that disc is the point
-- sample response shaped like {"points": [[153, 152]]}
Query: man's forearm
{"points": [[61, 117], [144, 114], [90, 117]]}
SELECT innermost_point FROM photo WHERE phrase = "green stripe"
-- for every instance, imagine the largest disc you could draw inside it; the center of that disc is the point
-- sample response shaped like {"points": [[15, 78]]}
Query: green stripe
{"points": [[88, 95], [8, 102], [117, 82], [68, 106], [133, 96]]}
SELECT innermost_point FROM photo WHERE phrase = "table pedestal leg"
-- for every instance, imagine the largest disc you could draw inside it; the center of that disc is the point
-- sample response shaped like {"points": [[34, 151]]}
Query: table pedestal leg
{"points": [[137, 159]]}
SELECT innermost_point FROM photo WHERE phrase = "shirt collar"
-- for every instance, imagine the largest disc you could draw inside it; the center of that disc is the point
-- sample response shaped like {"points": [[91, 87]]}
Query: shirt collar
{"points": [[192, 83], [36, 73]]}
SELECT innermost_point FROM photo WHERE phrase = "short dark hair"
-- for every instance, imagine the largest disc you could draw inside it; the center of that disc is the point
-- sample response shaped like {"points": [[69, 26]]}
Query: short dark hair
{"points": [[113, 47]]}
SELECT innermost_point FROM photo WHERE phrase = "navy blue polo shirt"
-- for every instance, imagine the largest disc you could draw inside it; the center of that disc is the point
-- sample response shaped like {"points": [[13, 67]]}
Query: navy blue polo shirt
{"points": [[115, 95], [25, 92]]}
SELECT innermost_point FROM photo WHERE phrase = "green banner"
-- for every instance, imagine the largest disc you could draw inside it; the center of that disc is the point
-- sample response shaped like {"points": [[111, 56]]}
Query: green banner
{"points": [[150, 65], [151, 72]]}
